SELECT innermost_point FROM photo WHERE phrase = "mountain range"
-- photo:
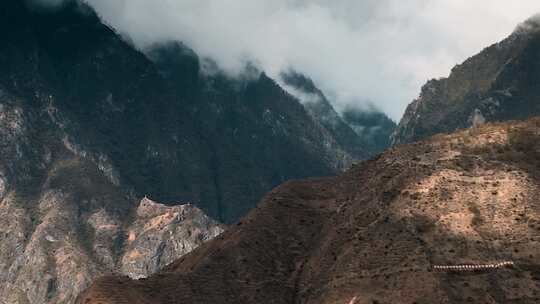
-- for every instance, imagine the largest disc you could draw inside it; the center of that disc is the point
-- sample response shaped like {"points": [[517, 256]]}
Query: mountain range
{"points": [[438, 218], [145, 172], [121, 160]]}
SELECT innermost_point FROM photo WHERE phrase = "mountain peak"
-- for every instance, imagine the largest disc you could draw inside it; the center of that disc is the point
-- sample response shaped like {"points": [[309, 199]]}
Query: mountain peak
{"points": [[299, 81], [531, 25], [61, 12]]}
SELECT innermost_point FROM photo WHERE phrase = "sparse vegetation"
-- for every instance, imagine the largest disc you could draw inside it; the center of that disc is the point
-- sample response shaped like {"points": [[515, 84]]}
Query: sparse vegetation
{"points": [[477, 216]]}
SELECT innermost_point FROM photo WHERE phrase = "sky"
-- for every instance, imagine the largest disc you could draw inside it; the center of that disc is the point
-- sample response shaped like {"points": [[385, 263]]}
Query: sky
{"points": [[359, 52]]}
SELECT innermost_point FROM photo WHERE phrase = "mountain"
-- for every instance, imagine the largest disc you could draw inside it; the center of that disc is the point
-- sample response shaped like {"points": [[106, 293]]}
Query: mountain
{"points": [[500, 83], [321, 111], [373, 126], [90, 126], [51, 254], [382, 232], [157, 236], [362, 133], [75, 108], [258, 134]]}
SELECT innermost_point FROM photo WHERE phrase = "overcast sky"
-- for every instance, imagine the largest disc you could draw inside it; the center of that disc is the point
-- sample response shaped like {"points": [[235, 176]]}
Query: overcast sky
{"points": [[357, 51]]}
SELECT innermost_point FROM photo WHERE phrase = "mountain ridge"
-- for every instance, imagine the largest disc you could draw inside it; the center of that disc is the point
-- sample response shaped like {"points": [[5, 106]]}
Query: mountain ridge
{"points": [[495, 85], [362, 132]]}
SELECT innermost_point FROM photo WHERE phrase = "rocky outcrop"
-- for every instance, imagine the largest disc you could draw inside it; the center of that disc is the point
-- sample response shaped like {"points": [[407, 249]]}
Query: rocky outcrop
{"points": [[465, 199], [51, 254], [500, 83], [160, 234]]}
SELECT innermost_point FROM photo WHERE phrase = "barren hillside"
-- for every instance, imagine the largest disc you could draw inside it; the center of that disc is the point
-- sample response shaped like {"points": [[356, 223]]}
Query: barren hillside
{"points": [[375, 233]]}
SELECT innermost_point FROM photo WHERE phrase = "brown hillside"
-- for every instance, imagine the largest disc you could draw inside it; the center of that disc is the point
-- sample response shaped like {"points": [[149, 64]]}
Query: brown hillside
{"points": [[373, 234]]}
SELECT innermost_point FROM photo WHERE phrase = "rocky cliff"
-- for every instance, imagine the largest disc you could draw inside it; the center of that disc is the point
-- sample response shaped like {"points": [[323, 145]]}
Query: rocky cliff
{"points": [[383, 232], [52, 253], [500, 83], [158, 235], [65, 202]]}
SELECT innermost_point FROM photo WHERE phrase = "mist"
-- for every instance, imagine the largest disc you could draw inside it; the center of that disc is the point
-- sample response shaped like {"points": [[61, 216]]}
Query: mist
{"points": [[361, 53]]}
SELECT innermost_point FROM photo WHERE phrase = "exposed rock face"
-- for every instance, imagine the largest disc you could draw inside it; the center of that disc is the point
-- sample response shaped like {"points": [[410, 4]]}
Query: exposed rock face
{"points": [[376, 233], [160, 234], [501, 83], [161, 126], [48, 257]]}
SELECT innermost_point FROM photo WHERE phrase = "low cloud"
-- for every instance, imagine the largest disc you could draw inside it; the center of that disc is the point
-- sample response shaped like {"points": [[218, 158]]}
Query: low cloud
{"points": [[357, 52], [531, 24]]}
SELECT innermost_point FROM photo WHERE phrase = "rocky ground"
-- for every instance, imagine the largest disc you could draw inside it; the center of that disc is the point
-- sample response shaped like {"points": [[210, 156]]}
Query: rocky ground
{"points": [[374, 234]]}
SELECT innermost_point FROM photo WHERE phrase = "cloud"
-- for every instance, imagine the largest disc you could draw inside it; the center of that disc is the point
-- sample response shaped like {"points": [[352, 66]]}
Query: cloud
{"points": [[531, 24], [357, 51]]}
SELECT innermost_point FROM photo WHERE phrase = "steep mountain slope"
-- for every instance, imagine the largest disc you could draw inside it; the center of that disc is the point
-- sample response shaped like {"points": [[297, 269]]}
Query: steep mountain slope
{"points": [[374, 127], [64, 202], [89, 126], [374, 234], [181, 144], [258, 135], [500, 83], [51, 253], [361, 132], [322, 111]]}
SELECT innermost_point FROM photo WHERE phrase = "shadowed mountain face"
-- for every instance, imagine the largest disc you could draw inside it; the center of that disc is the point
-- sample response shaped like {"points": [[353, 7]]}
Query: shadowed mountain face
{"points": [[89, 126], [375, 128], [501, 83], [258, 135], [465, 198], [164, 129], [360, 132]]}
